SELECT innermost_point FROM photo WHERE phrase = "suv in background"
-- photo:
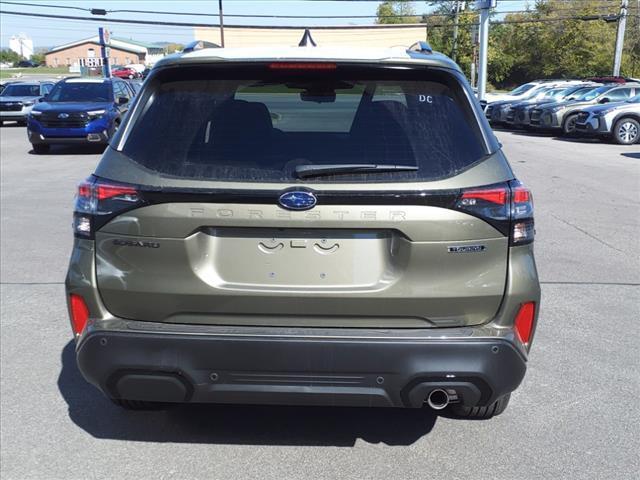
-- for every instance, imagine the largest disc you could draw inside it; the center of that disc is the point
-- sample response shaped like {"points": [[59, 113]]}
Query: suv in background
{"points": [[317, 226], [18, 98], [79, 110], [563, 115], [618, 121], [519, 113]]}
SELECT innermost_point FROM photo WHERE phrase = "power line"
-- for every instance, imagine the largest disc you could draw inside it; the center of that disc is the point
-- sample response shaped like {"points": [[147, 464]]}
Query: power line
{"points": [[610, 17], [328, 17]]}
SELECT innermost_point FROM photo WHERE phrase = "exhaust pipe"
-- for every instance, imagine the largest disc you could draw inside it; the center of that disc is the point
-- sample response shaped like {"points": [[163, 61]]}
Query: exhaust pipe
{"points": [[438, 399]]}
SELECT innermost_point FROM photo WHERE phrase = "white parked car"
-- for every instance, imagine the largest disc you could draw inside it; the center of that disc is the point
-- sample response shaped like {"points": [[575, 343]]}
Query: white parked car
{"points": [[525, 91], [619, 121]]}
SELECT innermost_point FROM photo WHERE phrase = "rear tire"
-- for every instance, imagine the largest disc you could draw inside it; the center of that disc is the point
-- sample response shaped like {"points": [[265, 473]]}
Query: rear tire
{"points": [[496, 408], [40, 148], [138, 404], [569, 125], [626, 131]]}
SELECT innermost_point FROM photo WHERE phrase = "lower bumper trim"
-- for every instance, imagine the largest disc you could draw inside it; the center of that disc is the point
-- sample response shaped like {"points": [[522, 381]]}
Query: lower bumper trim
{"points": [[297, 370]]}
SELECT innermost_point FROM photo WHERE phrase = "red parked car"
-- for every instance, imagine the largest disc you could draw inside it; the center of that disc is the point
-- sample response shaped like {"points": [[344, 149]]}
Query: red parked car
{"points": [[125, 72]]}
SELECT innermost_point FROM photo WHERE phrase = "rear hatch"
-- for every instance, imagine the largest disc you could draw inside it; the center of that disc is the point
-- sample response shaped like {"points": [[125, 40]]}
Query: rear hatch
{"points": [[304, 194]]}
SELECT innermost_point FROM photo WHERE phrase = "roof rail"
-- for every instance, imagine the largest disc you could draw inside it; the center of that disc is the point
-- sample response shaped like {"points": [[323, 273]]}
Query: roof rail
{"points": [[307, 39], [420, 47], [199, 45]]}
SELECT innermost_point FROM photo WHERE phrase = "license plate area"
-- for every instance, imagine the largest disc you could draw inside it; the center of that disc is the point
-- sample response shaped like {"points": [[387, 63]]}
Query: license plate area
{"points": [[304, 259]]}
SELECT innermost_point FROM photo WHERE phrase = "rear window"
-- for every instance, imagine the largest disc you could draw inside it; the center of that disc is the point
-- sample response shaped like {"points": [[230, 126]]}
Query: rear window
{"points": [[257, 124]]}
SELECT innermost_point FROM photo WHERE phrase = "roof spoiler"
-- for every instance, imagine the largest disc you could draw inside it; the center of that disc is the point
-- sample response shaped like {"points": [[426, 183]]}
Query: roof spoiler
{"points": [[420, 47]]}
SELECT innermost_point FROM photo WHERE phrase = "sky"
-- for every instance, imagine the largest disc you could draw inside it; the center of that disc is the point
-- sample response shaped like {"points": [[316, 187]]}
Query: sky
{"points": [[51, 32]]}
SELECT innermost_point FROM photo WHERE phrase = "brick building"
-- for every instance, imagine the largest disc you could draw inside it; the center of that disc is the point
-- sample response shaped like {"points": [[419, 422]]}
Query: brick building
{"points": [[122, 52]]}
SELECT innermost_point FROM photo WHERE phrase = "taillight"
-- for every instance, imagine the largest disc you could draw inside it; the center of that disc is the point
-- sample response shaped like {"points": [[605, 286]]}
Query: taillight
{"points": [[79, 313], [507, 207], [97, 201], [490, 204], [524, 321], [522, 225]]}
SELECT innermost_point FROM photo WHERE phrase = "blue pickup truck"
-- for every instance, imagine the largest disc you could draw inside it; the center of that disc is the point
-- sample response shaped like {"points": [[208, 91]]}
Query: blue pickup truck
{"points": [[79, 110]]}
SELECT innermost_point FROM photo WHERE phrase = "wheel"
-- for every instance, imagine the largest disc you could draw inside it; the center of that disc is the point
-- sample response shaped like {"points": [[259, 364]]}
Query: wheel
{"points": [[40, 148], [138, 404], [496, 408], [131, 77], [569, 125], [626, 131], [22, 123]]}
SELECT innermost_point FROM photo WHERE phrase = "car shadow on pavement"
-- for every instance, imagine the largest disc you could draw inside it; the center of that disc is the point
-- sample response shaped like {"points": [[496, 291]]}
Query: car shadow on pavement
{"points": [[631, 155], [237, 424], [578, 139], [71, 150]]}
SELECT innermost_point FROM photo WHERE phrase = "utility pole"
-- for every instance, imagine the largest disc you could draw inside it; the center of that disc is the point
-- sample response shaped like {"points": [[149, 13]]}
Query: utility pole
{"points": [[622, 23], [456, 19], [484, 6], [221, 23]]}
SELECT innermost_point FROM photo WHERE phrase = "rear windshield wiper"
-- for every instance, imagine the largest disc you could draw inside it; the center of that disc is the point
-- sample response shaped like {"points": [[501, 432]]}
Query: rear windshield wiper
{"points": [[303, 171]]}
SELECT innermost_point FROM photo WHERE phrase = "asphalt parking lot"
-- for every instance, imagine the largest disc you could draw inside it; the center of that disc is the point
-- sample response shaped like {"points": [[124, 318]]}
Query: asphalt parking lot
{"points": [[576, 415]]}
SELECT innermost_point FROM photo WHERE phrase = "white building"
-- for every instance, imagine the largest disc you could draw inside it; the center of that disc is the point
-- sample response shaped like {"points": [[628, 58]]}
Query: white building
{"points": [[22, 45]]}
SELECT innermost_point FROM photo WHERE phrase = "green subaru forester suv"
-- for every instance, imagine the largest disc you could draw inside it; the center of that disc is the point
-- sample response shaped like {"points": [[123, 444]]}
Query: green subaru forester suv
{"points": [[315, 226]]}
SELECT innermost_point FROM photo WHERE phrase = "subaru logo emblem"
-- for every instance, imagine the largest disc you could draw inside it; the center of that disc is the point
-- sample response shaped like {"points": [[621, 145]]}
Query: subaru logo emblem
{"points": [[297, 200], [63, 115]]}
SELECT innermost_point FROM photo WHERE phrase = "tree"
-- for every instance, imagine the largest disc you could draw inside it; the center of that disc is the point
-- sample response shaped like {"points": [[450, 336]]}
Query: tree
{"points": [[9, 56], [173, 47], [394, 12], [440, 31], [38, 58], [557, 48]]}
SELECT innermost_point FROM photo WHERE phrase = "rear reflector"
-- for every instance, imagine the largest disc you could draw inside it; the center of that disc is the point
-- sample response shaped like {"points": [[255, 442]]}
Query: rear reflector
{"points": [[79, 313], [524, 321], [302, 66]]}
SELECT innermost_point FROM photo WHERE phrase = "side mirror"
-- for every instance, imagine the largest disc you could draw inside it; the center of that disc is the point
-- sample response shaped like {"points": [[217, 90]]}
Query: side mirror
{"points": [[604, 100], [123, 100]]}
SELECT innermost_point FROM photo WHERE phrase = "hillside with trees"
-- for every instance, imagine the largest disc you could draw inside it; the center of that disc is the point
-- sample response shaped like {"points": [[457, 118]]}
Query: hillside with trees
{"points": [[538, 43]]}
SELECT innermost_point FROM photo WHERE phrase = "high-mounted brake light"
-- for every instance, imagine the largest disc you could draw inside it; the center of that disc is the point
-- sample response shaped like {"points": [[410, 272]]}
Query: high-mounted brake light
{"points": [[79, 313], [302, 66], [524, 321]]}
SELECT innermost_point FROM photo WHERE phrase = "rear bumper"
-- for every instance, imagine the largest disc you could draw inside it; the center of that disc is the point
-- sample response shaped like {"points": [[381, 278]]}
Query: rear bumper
{"points": [[308, 366]]}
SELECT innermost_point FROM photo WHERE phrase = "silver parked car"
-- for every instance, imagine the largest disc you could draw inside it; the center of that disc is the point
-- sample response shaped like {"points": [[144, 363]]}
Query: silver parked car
{"points": [[17, 99], [618, 121], [563, 115]]}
